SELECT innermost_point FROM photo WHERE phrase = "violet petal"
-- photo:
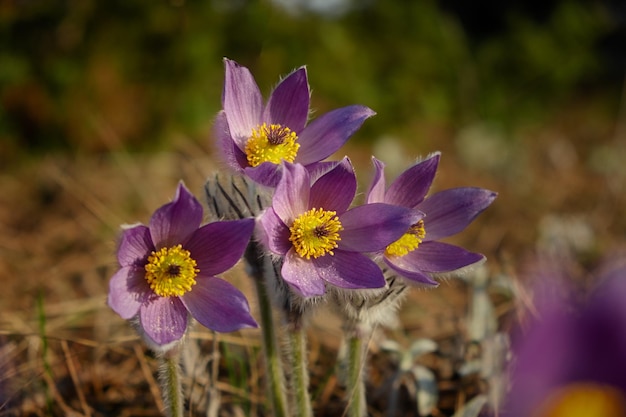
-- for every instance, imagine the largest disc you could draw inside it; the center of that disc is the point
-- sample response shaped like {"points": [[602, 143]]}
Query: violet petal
{"points": [[335, 190], [376, 191], [227, 148], [128, 289], [371, 227], [326, 134], [173, 223], [288, 104], [410, 188], [302, 275], [164, 319], [411, 274], [291, 197], [349, 270], [437, 257], [450, 211], [242, 102], [218, 305], [218, 246], [273, 233], [135, 246]]}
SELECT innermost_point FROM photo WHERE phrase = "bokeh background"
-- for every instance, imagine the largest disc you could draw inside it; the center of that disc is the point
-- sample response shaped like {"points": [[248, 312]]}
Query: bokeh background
{"points": [[105, 106]]}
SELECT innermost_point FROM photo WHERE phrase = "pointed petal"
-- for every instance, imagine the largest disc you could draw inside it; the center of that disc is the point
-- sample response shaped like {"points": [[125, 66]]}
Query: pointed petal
{"points": [[227, 148], [128, 289], [135, 246], [371, 227], [218, 246], [242, 102], [335, 190], [288, 104], [291, 197], [376, 191], [410, 188], [218, 305], [173, 223], [302, 275], [273, 233], [409, 272], [267, 174], [437, 257], [326, 134], [164, 319], [349, 270], [450, 211]]}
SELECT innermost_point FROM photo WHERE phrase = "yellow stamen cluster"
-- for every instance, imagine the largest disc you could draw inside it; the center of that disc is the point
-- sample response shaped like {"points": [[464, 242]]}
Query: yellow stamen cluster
{"points": [[171, 271], [408, 242], [315, 233], [273, 143], [584, 400]]}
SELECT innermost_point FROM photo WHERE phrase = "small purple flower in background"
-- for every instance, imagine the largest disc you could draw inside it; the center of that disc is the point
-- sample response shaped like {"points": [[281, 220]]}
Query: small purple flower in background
{"points": [[309, 224], [572, 360], [417, 254], [255, 138], [167, 272]]}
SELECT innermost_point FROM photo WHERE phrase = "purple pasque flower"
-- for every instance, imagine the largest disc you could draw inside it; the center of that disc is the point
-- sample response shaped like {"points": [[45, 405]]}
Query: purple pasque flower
{"points": [[570, 358], [167, 272], [255, 137], [418, 253], [320, 239]]}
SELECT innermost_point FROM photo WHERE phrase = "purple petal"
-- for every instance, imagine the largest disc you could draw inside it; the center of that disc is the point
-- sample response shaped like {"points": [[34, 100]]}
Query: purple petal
{"points": [[326, 134], [135, 246], [349, 270], [376, 192], [218, 246], [164, 319], [371, 227], [412, 274], [242, 102], [437, 257], [317, 169], [227, 149], [128, 289], [335, 190], [268, 173], [410, 188], [273, 233], [288, 104], [291, 197], [302, 275], [218, 305], [450, 211], [173, 223]]}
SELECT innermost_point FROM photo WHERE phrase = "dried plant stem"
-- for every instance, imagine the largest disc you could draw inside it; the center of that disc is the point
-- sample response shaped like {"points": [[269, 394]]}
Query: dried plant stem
{"points": [[297, 352], [357, 340], [171, 389]]}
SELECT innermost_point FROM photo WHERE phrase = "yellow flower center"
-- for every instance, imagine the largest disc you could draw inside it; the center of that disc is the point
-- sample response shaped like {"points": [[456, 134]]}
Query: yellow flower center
{"points": [[408, 242], [171, 271], [315, 233], [273, 143], [584, 400]]}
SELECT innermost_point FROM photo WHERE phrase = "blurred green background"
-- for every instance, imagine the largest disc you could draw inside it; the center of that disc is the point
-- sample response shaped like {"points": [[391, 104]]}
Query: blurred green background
{"points": [[97, 76]]}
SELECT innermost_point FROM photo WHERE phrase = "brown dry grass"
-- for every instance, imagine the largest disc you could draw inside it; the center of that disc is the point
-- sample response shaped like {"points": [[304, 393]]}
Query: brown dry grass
{"points": [[63, 352]]}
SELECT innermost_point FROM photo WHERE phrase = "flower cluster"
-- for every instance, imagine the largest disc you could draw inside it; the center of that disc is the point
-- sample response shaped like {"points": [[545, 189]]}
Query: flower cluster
{"points": [[300, 218]]}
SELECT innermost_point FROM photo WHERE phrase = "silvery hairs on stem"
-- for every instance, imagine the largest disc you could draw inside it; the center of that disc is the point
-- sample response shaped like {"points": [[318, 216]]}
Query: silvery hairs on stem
{"points": [[363, 310], [233, 197]]}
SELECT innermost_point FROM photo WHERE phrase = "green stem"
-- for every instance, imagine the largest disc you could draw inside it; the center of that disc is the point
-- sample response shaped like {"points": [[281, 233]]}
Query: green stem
{"points": [[275, 374], [355, 384], [300, 377], [171, 389]]}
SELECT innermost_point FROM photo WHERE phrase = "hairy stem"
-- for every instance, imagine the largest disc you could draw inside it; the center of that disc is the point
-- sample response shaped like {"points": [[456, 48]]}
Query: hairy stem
{"points": [[297, 353], [171, 389], [357, 340]]}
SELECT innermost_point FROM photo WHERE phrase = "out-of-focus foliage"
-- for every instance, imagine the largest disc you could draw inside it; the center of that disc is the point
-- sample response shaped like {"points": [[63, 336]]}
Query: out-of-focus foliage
{"points": [[102, 75]]}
